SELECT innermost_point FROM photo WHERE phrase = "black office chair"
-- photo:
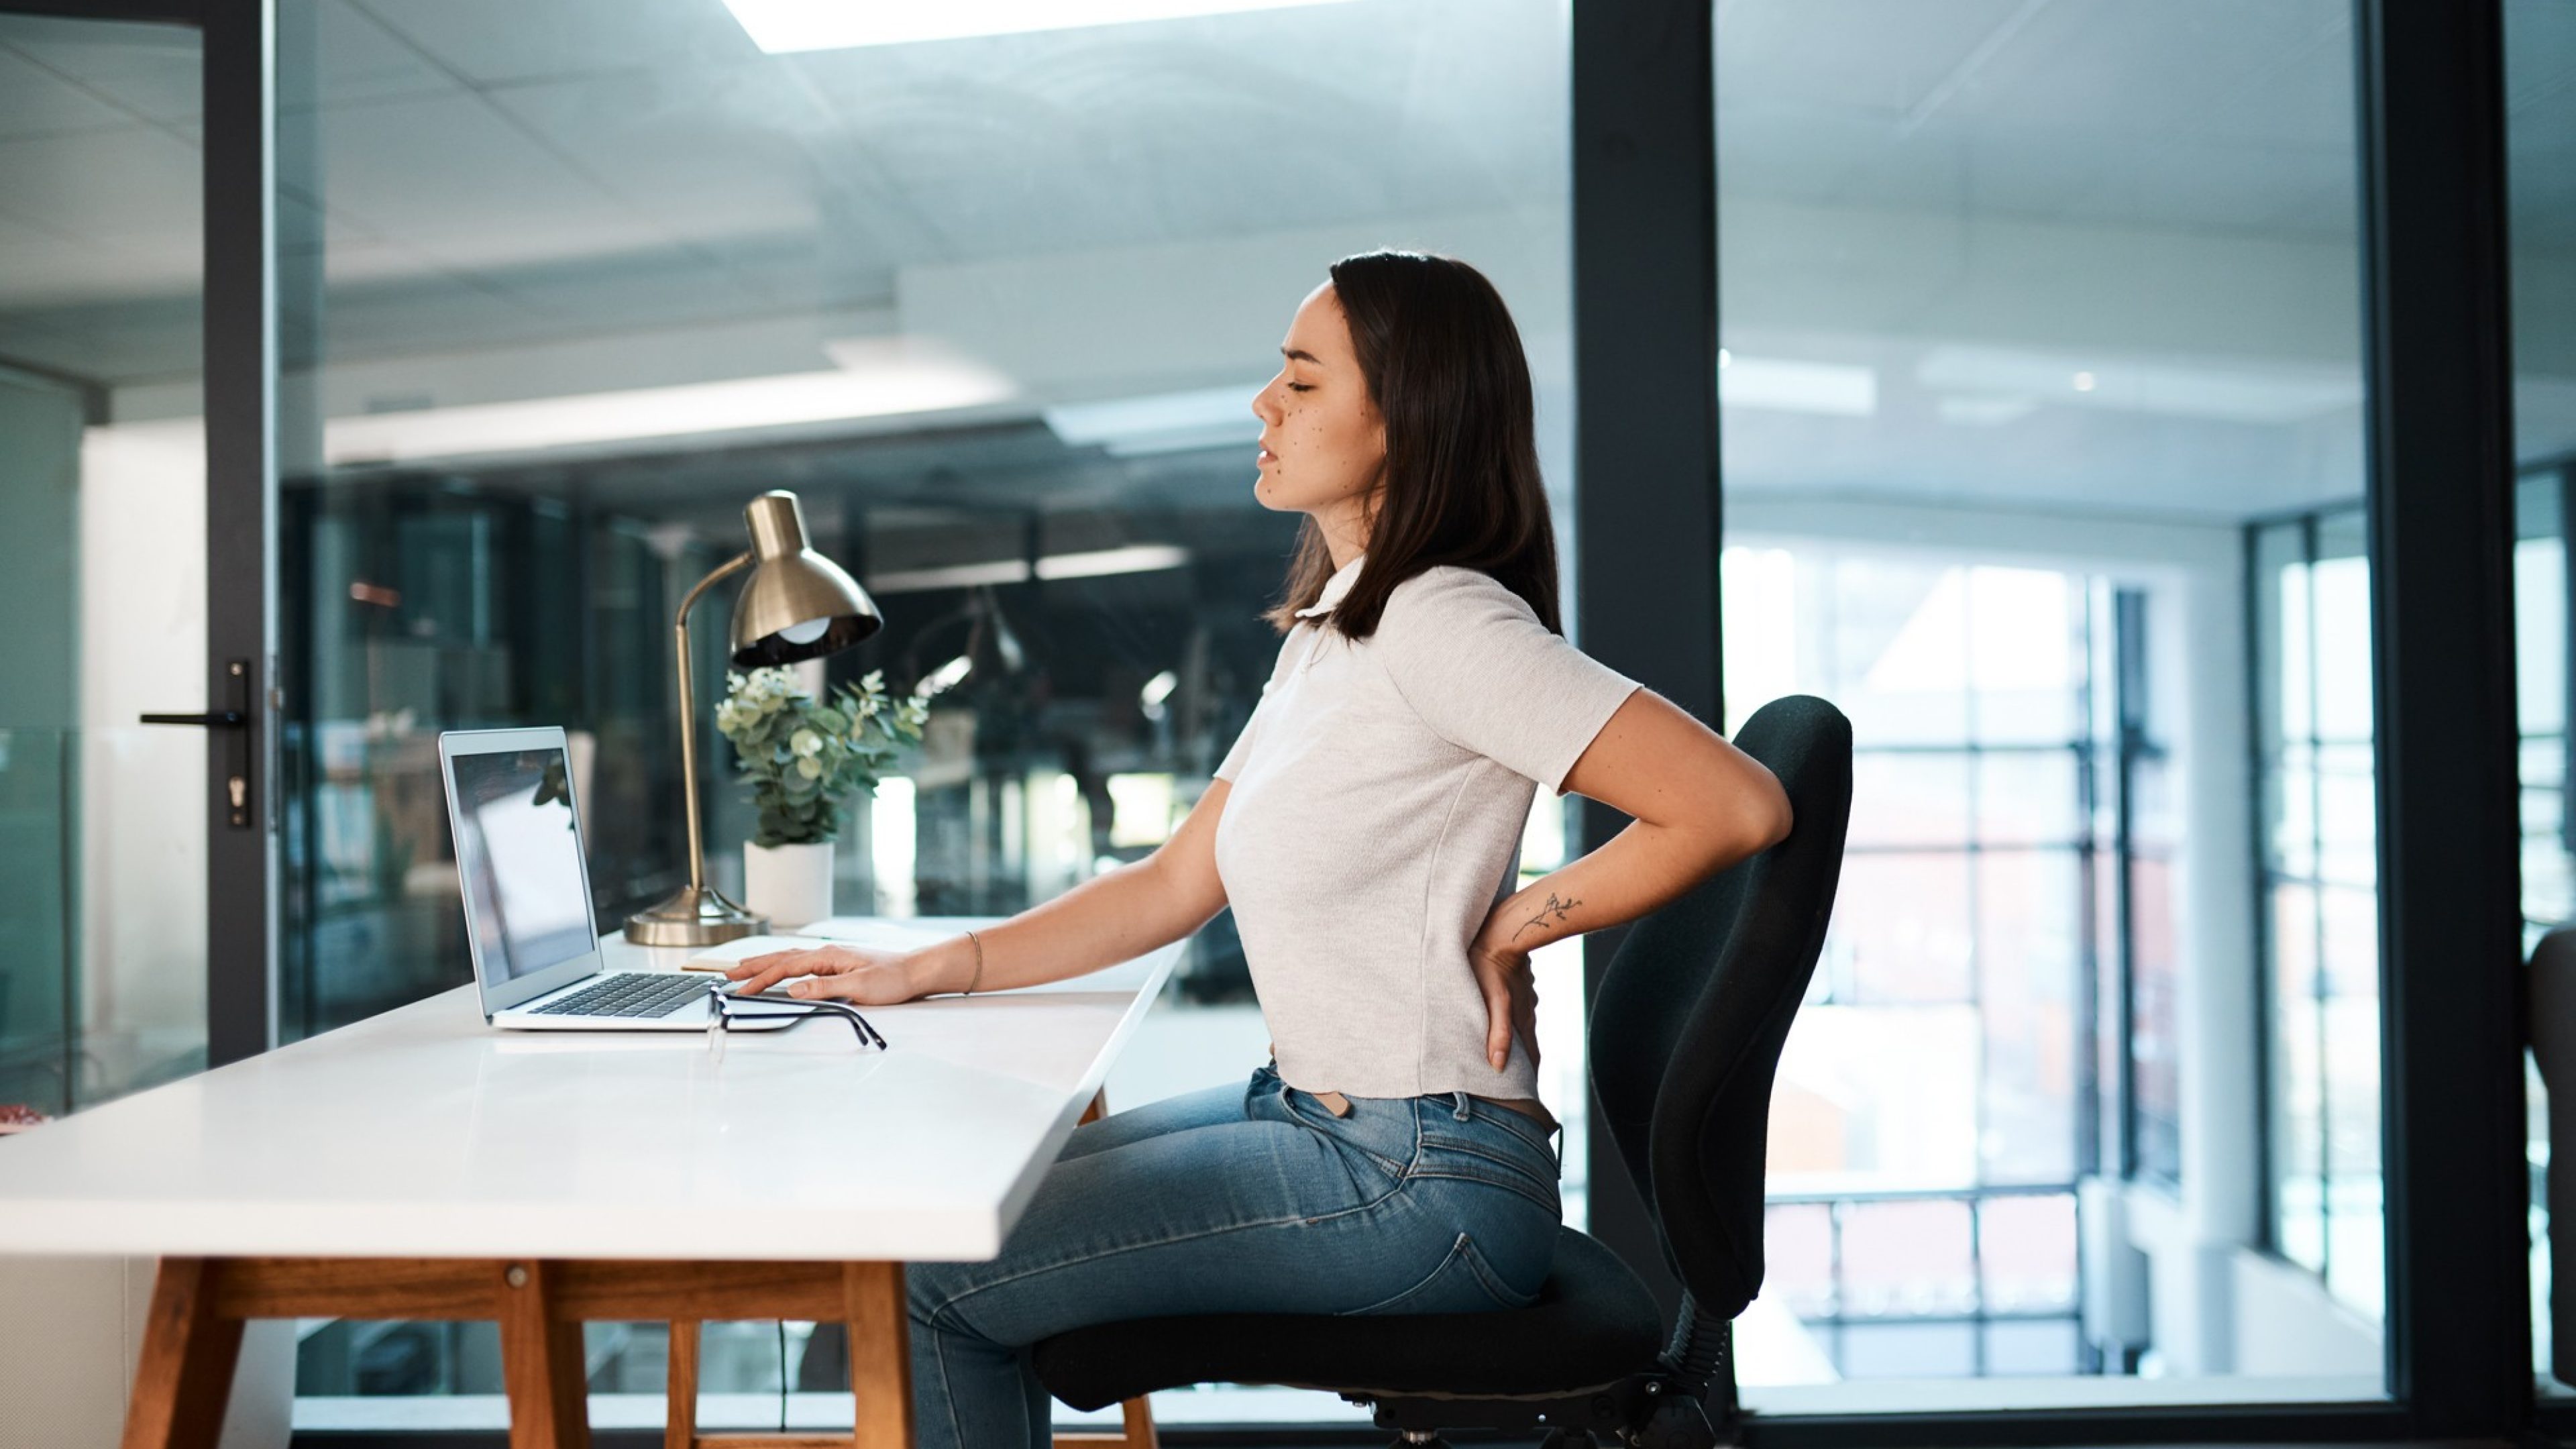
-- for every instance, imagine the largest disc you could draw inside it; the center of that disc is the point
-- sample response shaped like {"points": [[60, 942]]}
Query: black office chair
{"points": [[1685, 1039]]}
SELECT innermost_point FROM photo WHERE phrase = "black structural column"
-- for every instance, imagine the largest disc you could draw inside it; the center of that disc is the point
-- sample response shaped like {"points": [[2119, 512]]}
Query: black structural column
{"points": [[241, 520], [2441, 539], [1645, 353]]}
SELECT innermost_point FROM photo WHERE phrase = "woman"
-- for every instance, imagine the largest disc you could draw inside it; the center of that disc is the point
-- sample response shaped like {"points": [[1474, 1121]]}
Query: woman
{"points": [[1393, 1156]]}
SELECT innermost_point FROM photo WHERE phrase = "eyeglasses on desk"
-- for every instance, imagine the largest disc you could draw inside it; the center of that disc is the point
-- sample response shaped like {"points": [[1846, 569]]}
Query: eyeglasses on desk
{"points": [[729, 1008]]}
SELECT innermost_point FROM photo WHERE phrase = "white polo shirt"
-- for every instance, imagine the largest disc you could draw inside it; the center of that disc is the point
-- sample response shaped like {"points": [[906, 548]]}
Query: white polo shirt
{"points": [[1374, 820]]}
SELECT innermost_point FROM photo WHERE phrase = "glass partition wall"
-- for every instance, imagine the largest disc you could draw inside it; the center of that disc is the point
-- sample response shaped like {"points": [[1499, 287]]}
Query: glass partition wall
{"points": [[2033, 318], [565, 289], [2540, 146], [102, 562]]}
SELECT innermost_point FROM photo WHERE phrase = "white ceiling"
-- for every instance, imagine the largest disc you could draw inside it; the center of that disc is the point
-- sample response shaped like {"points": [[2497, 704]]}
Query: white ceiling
{"points": [[472, 178], [529, 169]]}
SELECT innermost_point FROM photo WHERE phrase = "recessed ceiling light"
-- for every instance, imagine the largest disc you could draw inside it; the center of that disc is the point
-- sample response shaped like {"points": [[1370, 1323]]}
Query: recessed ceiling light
{"points": [[2083, 382], [1206, 417], [777, 26], [1794, 385], [1984, 412], [1134, 558], [878, 377], [2220, 389]]}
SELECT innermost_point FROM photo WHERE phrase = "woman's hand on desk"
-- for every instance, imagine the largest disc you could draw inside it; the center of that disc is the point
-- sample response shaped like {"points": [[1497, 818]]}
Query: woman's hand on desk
{"points": [[861, 974]]}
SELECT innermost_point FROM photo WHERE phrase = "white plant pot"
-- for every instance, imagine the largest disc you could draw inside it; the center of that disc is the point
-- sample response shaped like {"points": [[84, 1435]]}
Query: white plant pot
{"points": [[790, 884]]}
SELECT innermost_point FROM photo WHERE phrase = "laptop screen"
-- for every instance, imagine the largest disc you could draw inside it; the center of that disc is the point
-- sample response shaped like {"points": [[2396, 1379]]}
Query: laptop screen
{"points": [[519, 853]]}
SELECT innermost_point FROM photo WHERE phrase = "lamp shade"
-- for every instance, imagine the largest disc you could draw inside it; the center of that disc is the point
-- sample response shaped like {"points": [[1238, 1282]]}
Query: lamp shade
{"points": [[797, 604]]}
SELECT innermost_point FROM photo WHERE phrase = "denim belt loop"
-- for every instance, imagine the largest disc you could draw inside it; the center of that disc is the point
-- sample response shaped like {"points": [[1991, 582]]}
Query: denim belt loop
{"points": [[1461, 1105]]}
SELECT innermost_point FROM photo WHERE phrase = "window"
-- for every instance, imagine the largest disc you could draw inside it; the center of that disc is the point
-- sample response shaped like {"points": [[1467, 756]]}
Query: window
{"points": [[1940, 1093], [2541, 609], [2540, 144], [1999, 401], [2320, 900]]}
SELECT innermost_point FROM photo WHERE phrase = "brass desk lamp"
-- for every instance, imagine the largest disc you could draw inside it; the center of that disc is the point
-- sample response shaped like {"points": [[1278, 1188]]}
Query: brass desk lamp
{"points": [[796, 605]]}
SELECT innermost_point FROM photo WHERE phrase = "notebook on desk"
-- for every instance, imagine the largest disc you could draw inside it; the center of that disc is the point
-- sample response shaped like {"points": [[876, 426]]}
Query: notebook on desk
{"points": [[883, 933]]}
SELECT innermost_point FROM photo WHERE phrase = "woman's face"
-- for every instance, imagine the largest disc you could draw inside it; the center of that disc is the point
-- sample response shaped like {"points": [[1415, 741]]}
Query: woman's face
{"points": [[1323, 445]]}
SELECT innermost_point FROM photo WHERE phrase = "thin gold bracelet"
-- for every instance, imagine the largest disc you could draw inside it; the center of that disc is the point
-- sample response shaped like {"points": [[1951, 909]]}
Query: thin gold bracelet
{"points": [[979, 964]]}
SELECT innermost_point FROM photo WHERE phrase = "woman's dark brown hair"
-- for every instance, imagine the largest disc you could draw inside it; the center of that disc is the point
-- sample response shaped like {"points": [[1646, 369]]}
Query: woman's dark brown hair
{"points": [[1444, 367]]}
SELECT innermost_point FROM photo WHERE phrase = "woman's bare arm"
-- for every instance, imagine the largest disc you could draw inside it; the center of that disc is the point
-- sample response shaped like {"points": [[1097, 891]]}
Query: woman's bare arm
{"points": [[1101, 922], [1697, 805]]}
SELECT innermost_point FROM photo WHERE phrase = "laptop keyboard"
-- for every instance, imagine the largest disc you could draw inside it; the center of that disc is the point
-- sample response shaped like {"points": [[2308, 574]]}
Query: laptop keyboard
{"points": [[633, 993]]}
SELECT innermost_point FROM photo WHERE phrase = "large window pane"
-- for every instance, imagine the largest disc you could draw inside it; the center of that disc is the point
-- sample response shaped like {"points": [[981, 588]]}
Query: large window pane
{"points": [[569, 285], [2040, 344], [2540, 143]]}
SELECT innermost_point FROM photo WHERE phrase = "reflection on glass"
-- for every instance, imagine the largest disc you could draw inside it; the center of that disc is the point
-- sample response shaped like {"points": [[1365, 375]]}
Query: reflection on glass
{"points": [[566, 287], [102, 561], [2002, 418]]}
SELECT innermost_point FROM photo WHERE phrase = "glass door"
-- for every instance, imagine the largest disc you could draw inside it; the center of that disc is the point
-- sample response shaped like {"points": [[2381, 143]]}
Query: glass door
{"points": [[136, 851]]}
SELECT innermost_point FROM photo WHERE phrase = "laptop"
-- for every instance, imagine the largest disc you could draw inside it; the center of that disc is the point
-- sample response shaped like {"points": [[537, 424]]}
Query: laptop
{"points": [[528, 914]]}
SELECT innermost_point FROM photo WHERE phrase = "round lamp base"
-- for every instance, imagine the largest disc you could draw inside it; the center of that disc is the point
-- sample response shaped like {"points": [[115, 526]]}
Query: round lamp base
{"points": [[696, 916]]}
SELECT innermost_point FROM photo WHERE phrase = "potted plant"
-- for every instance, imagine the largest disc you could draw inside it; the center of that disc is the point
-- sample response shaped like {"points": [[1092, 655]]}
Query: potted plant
{"points": [[802, 758]]}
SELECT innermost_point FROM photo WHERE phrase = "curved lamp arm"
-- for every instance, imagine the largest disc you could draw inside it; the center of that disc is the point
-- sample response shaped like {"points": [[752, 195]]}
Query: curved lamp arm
{"points": [[689, 713]]}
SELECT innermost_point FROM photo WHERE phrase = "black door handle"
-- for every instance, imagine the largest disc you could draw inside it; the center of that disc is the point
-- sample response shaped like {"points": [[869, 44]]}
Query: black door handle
{"points": [[237, 801]]}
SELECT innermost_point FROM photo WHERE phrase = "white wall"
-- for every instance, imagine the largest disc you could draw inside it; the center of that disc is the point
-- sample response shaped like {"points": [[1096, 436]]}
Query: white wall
{"points": [[70, 1332], [143, 788]]}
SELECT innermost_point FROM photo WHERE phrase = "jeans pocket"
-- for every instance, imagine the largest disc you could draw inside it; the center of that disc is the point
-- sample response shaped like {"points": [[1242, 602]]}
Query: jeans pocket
{"points": [[1494, 1163], [1463, 1283]]}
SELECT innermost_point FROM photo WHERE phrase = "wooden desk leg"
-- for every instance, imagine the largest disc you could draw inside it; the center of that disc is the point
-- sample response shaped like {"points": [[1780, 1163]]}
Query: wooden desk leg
{"points": [[1135, 1432], [880, 1355], [680, 1419], [541, 1363], [185, 1375]]}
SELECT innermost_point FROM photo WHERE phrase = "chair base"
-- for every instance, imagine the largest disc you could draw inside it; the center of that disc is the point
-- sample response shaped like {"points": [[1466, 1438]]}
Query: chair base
{"points": [[1648, 1410]]}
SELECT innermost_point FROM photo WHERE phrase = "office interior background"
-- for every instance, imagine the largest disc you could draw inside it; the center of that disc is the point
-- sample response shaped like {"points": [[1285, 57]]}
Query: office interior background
{"points": [[2044, 401]]}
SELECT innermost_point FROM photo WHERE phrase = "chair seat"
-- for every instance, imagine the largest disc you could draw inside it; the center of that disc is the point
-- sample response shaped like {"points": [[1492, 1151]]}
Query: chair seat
{"points": [[1593, 1323]]}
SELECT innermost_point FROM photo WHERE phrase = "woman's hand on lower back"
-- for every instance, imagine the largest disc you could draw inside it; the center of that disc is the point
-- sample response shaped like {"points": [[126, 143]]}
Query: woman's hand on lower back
{"points": [[861, 974], [1510, 989]]}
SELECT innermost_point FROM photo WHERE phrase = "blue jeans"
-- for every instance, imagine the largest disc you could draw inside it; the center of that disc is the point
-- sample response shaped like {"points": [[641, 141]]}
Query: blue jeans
{"points": [[1250, 1199]]}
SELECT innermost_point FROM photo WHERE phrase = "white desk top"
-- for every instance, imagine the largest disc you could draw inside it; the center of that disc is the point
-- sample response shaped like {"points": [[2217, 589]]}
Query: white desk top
{"points": [[425, 1133]]}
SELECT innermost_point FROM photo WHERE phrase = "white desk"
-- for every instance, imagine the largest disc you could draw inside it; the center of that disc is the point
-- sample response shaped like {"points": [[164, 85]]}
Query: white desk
{"points": [[422, 1164]]}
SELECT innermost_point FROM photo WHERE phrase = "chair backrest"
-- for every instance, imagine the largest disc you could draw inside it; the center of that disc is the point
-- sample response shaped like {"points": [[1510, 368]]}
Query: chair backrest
{"points": [[1688, 1021]]}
